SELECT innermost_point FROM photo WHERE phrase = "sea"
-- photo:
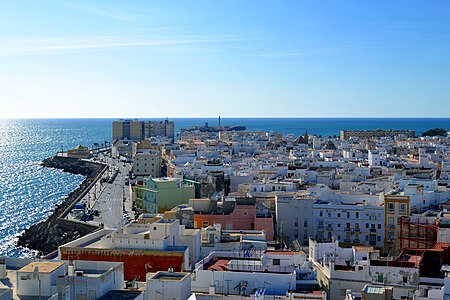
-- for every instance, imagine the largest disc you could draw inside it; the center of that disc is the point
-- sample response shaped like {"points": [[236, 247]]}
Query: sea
{"points": [[28, 191]]}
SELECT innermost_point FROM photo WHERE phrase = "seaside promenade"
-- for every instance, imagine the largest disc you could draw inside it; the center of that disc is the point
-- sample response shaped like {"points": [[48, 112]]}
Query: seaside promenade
{"points": [[106, 203]]}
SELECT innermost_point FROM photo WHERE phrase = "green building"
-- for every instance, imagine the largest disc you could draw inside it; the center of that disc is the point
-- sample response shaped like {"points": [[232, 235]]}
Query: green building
{"points": [[161, 194]]}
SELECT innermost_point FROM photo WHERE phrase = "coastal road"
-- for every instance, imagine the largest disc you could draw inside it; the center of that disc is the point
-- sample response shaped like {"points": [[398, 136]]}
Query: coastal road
{"points": [[112, 200]]}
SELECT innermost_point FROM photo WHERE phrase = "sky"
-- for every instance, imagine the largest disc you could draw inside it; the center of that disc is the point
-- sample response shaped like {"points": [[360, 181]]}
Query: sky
{"points": [[243, 58]]}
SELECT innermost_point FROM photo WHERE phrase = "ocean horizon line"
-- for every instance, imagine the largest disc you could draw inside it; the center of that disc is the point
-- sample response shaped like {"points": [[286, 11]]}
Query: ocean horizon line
{"points": [[222, 117]]}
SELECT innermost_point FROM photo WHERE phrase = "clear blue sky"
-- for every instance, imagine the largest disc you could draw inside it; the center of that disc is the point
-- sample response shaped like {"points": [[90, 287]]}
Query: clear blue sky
{"points": [[229, 58]]}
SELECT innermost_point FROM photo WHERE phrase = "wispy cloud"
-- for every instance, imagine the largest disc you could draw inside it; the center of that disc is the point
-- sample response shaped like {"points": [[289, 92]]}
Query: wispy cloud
{"points": [[100, 11], [45, 46]]}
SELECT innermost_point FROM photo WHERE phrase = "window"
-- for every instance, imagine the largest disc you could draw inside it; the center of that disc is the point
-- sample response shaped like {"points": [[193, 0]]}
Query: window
{"points": [[296, 235], [391, 207], [339, 224], [339, 215], [380, 278], [245, 213], [379, 226], [305, 224], [391, 222], [402, 208], [205, 224], [357, 215], [276, 262], [348, 214], [296, 222], [379, 238], [367, 225], [405, 278], [390, 234], [320, 213]]}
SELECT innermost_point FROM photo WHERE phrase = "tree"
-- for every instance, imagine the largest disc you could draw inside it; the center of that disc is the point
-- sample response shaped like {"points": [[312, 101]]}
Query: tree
{"points": [[435, 132]]}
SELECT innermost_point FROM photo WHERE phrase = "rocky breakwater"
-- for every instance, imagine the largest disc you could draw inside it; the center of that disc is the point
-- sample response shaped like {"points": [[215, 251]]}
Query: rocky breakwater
{"points": [[48, 235]]}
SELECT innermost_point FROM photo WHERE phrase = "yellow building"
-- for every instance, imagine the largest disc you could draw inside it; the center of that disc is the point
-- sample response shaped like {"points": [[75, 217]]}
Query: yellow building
{"points": [[79, 152], [395, 207], [136, 130], [118, 130]]}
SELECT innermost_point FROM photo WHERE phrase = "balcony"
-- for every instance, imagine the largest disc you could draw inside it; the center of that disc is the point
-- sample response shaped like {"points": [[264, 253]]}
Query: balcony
{"points": [[372, 243], [357, 241], [357, 230], [320, 226], [347, 240], [348, 229], [373, 230], [329, 227], [391, 226]]}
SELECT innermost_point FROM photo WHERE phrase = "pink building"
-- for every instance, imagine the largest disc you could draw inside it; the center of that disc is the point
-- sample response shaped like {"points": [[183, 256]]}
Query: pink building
{"points": [[243, 217]]}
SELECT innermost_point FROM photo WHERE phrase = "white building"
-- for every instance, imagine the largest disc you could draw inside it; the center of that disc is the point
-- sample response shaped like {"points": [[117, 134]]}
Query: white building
{"points": [[38, 279], [64, 279], [147, 162], [168, 285], [294, 218], [349, 223], [231, 273], [90, 279], [216, 239], [159, 235], [341, 269]]}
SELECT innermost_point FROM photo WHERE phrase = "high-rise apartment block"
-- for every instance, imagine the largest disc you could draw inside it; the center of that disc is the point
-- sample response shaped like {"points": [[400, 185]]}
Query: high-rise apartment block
{"points": [[139, 130]]}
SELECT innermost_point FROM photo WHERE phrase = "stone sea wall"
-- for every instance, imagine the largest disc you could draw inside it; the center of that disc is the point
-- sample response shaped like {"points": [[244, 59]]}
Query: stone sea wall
{"points": [[48, 235]]}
